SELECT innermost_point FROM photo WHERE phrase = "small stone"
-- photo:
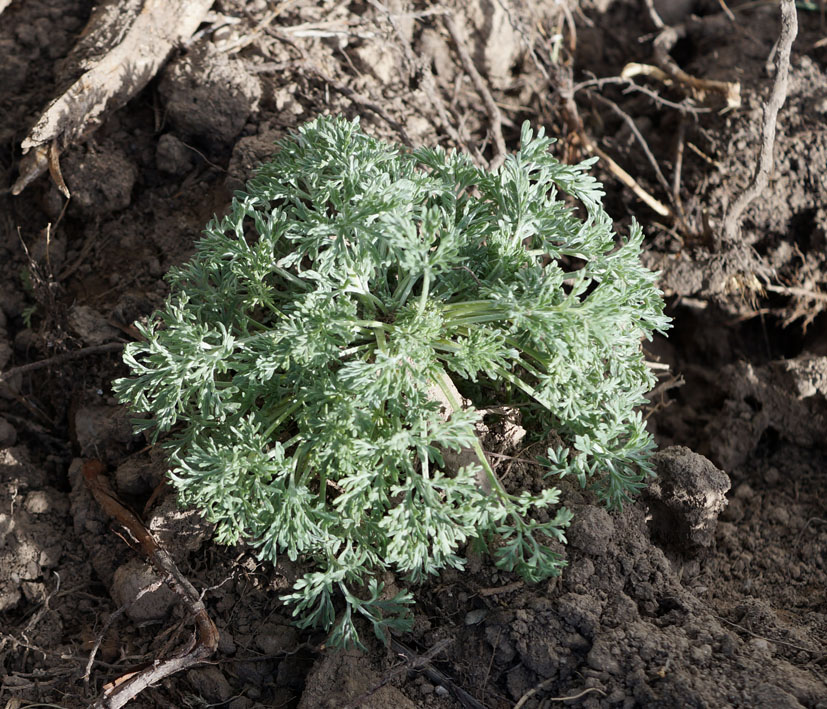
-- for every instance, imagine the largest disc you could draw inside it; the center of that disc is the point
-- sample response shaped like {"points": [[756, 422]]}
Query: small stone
{"points": [[475, 616], [769, 695], [131, 476], [795, 571], [581, 612], [779, 515], [50, 556], [40, 502], [440, 691], [744, 492], [133, 577], [208, 96], [210, 684], [172, 156], [226, 643], [91, 326], [772, 476], [180, 531], [101, 181], [701, 653], [734, 511], [222, 34], [273, 638]]}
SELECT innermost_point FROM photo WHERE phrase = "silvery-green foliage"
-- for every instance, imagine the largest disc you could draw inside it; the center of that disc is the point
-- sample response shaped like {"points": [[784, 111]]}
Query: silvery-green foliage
{"points": [[293, 362]]}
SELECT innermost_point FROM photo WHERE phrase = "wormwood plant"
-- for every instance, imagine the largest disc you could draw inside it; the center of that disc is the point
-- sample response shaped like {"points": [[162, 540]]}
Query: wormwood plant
{"points": [[294, 363]]}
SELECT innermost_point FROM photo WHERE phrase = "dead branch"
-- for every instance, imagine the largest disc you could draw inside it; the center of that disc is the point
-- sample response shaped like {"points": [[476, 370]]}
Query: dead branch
{"points": [[495, 591], [566, 91], [668, 71], [782, 49], [799, 292], [491, 108], [360, 100], [547, 683], [676, 173], [409, 665], [654, 204], [700, 89], [630, 85], [435, 676], [122, 47], [201, 646], [638, 136], [60, 359]]}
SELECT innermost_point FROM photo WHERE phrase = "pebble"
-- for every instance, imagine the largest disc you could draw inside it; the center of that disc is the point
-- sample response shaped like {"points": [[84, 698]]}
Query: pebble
{"points": [[222, 34], [39, 502], [779, 515], [475, 616], [210, 684], [129, 580], [701, 653], [744, 492], [273, 639]]}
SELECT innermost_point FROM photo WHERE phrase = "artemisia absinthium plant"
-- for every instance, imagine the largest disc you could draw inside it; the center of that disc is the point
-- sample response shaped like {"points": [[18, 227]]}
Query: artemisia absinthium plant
{"points": [[294, 362]]}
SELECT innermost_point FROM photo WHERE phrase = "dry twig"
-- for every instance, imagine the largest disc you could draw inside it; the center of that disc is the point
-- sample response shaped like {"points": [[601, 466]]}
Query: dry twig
{"points": [[121, 48], [60, 359], [789, 29], [201, 646], [630, 86], [630, 182], [638, 136], [545, 683], [361, 100], [491, 108], [669, 72], [411, 664], [435, 676], [565, 89], [676, 173], [799, 292]]}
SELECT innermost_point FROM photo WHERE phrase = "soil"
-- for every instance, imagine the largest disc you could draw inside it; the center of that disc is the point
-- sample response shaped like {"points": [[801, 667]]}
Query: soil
{"points": [[708, 591]]}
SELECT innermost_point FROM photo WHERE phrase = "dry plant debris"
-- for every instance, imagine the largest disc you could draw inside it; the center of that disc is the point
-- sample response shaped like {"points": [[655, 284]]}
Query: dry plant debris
{"points": [[202, 645], [122, 47]]}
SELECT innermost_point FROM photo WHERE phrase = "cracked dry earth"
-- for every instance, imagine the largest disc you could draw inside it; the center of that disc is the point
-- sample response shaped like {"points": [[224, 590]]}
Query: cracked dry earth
{"points": [[709, 591]]}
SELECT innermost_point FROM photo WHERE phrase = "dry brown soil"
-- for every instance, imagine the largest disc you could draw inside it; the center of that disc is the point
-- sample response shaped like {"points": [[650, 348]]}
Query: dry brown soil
{"points": [[660, 607]]}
